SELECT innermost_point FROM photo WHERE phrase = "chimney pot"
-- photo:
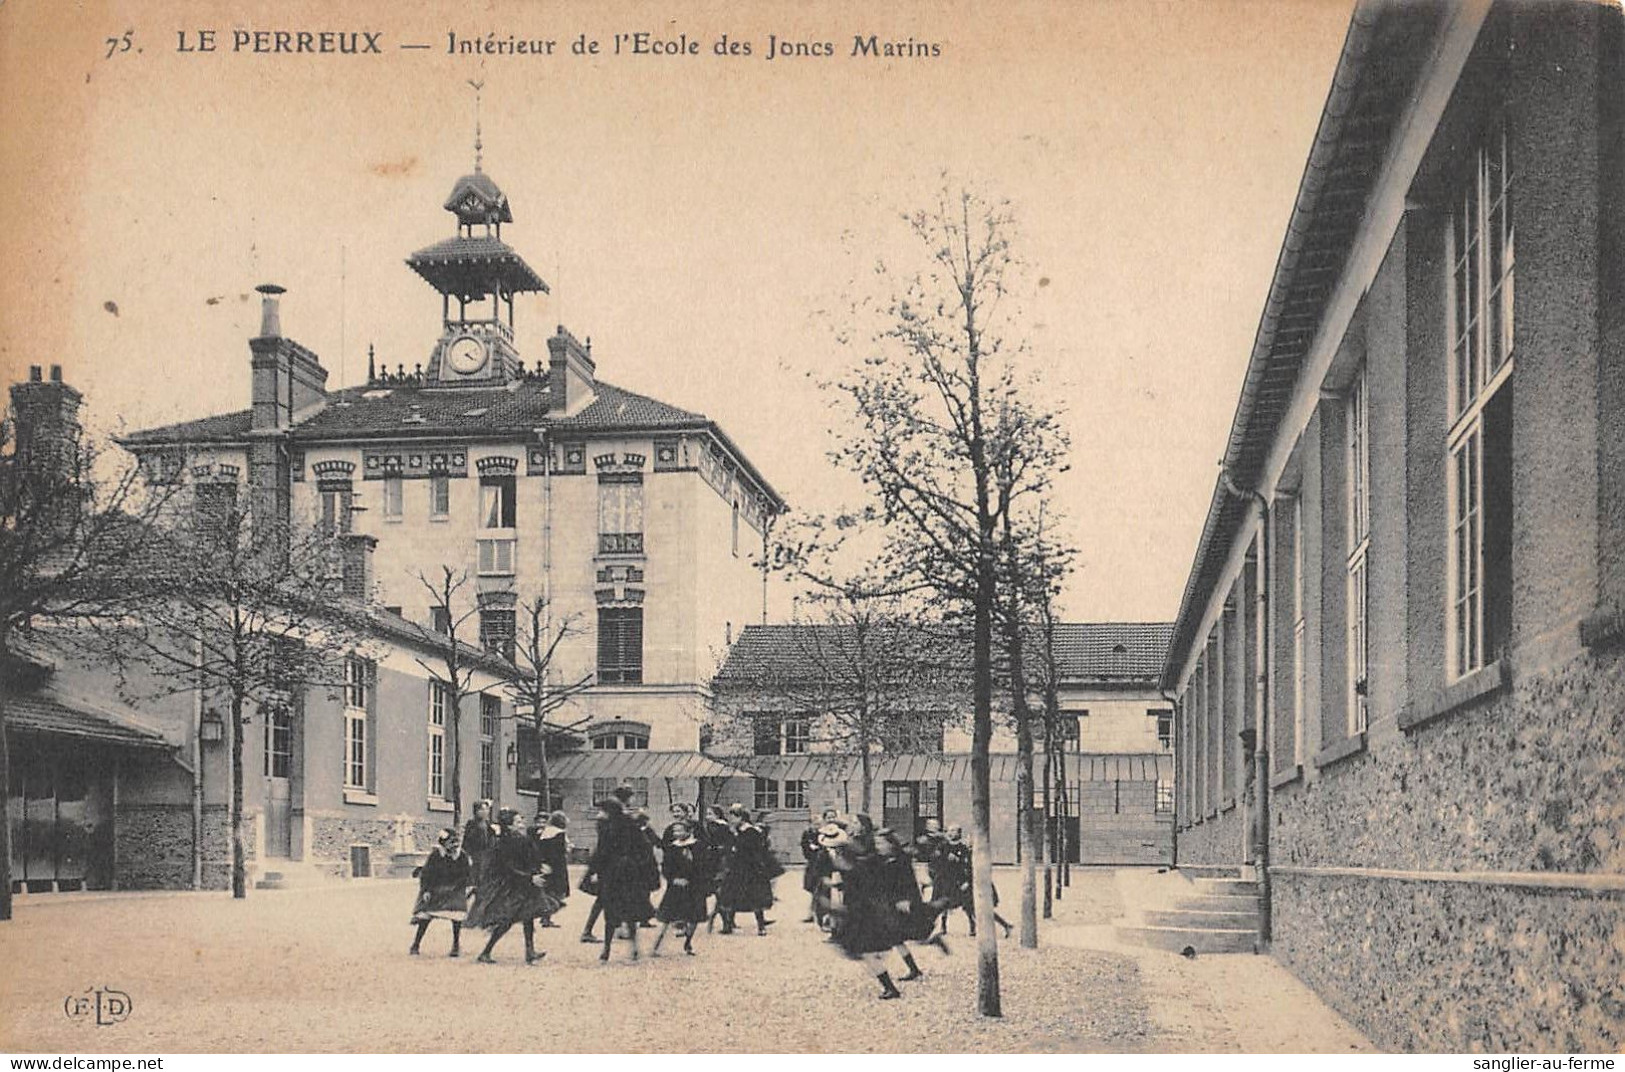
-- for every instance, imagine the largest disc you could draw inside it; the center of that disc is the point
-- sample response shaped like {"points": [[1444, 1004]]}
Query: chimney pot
{"points": [[270, 310], [56, 373], [35, 374]]}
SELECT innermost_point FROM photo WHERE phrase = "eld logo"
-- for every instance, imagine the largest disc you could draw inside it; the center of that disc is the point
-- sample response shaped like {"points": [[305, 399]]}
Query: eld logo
{"points": [[106, 1005]]}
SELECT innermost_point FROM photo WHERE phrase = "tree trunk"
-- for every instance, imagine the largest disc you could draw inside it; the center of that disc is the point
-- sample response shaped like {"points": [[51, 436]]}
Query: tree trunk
{"points": [[987, 941], [864, 768], [1066, 813], [544, 791], [5, 811], [1049, 823], [239, 855], [456, 756], [1025, 827]]}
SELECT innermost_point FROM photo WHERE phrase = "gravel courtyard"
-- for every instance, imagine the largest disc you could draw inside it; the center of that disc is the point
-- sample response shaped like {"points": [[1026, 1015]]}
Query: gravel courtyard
{"points": [[326, 969]]}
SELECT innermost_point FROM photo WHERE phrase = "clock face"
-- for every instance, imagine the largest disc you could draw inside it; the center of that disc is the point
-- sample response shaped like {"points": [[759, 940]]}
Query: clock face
{"points": [[466, 355]]}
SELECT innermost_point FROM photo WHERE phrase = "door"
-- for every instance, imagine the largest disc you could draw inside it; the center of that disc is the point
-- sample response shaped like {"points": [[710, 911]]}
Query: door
{"points": [[900, 808], [278, 776]]}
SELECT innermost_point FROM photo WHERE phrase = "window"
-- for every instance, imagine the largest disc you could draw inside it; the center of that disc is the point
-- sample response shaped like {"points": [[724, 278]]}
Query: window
{"points": [[912, 731], [357, 693], [795, 793], [1298, 626], [767, 794], [439, 704], [440, 620], [603, 788], [497, 631], [337, 500], [439, 495], [776, 735], [619, 736], [490, 738], [1358, 484], [1481, 259], [215, 509], [392, 497], [278, 742], [497, 502], [496, 557], [736, 528], [620, 513], [1165, 797], [1072, 728], [620, 645], [1165, 728]]}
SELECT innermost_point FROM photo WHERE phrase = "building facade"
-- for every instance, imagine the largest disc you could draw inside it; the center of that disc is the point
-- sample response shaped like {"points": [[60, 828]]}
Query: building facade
{"points": [[638, 526], [785, 718], [1397, 660]]}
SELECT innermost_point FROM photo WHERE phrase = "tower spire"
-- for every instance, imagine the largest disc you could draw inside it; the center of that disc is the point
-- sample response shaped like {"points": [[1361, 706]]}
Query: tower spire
{"points": [[478, 87]]}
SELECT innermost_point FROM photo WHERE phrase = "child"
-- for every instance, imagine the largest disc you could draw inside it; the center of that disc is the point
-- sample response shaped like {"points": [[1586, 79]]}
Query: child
{"points": [[684, 902], [443, 883]]}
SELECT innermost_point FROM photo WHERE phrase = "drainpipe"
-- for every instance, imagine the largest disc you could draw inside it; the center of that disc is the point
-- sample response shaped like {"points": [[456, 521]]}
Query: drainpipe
{"points": [[1178, 744], [1261, 754], [197, 766], [544, 802]]}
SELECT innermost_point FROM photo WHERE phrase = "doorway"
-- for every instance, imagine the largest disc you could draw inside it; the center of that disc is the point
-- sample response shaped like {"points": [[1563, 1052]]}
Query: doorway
{"points": [[906, 807], [278, 783]]}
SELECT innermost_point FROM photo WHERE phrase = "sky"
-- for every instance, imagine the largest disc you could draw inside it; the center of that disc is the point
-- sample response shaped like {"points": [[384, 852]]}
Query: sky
{"points": [[698, 216]]}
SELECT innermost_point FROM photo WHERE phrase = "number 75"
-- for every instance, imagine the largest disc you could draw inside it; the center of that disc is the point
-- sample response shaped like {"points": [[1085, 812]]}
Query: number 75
{"points": [[120, 44]]}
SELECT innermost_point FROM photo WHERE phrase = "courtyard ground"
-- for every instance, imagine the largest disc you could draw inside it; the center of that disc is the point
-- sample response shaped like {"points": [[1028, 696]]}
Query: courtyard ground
{"points": [[326, 969]]}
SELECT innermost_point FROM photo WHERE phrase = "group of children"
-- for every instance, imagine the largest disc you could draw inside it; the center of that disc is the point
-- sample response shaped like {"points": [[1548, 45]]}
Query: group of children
{"points": [[497, 875]]}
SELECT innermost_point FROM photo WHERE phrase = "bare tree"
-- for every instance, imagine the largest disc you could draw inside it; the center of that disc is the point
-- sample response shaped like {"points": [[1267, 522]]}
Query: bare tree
{"points": [[933, 406], [864, 673], [536, 697], [454, 609], [74, 526], [244, 605]]}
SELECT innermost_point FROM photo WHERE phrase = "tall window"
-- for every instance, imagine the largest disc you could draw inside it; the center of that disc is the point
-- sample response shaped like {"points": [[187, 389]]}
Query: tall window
{"points": [[337, 498], [278, 742], [439, 495], [214, 506], [795, 793], [439, 704], [1358, 464], [490, 734], [357, 690], [392, 497], [620, 645], [1480, 435], [767, 794], [496, 502], [620, 513], [1298, 629], [440, 619], [736, 528], [1165, 797]]}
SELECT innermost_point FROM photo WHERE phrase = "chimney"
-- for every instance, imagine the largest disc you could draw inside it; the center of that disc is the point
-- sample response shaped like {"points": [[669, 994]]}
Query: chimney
{"points": [[289, 381], [358, 575], [571, 379], [46, 420]]}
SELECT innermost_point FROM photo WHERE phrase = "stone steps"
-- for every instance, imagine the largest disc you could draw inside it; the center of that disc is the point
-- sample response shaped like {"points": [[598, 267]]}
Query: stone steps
{"points": [[1200, 902], [1185, 917], [1226, 887], [1196, 939], [293, 874]]}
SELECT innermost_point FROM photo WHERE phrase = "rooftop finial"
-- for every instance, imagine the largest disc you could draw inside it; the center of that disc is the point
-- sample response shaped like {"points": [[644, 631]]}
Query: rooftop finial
{"points": [[478, 86]]}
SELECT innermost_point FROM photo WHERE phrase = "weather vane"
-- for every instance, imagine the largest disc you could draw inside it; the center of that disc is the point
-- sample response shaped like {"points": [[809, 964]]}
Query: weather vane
{"points": [[478, 86]]}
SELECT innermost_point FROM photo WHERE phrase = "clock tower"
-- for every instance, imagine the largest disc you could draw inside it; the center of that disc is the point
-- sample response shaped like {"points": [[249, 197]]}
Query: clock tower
{"points": [[477, 275]]}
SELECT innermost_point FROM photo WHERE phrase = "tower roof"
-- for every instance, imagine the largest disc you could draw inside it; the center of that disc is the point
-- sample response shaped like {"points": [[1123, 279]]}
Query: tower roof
{"points": [[476, 198], [471, 265]]}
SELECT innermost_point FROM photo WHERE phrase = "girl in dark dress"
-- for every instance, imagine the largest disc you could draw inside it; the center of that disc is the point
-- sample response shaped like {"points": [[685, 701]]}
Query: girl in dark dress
{"points": [[479, 838], [963, 896], [626, 870], [865, 921], [443, 883], [916, 920], [748, 884], [512, 890], [817, 870], [553, 847], [684, 902], [716, 838]]}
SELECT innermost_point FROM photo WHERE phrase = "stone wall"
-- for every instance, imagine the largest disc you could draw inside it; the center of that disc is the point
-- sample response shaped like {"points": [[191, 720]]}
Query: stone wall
{"points": [[331, 837], [153, 846], [1527, 781]]}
